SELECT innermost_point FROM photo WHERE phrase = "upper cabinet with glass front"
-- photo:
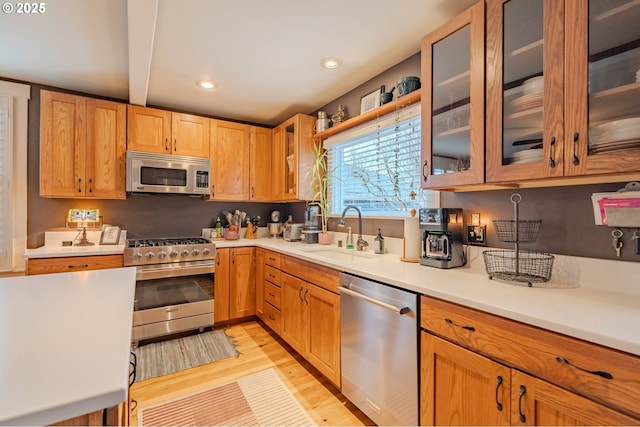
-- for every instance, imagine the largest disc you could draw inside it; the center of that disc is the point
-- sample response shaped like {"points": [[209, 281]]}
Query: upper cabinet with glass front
{"points": [[562, 90], [453, 102]]}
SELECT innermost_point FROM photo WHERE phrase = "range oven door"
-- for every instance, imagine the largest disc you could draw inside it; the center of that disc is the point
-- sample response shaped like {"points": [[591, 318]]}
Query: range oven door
{"points": [[168, 305]]}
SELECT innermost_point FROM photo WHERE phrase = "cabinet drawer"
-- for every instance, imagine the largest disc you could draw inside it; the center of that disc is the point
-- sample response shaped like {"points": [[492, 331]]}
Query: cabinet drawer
{"points": [[74, 263], [272, 258], [578, 365], [272, 318], [317, 274], [272, 294], [272, 274]]}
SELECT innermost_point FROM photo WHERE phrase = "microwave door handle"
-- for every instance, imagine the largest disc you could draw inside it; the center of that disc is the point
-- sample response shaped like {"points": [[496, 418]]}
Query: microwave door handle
{"points": [[446, 244]]}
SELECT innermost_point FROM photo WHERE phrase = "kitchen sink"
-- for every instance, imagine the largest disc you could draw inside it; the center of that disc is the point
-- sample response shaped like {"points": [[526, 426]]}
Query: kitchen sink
{"points": [[340, 254]]}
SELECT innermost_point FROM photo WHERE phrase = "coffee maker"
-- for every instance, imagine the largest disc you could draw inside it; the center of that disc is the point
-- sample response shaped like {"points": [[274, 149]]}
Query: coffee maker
{"points": [[442, 238]]}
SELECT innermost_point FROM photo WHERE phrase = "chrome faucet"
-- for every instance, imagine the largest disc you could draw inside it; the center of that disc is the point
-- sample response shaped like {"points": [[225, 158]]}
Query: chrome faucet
{"points": [[361, 244]]}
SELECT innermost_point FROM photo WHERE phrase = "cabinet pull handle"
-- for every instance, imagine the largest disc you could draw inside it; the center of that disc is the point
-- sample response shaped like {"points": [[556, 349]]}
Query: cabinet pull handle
{"points": [[134, 365], [498, 384], [78, 266], [273, 276], [576, 136], [90, 186], [79, 185], [272, 259], [233, 257], [175, 145], [271, 294], [213, 190], [253, 192], [602, 374], [468, 328], [272, 318], [166, 144], [306, 291], [424, 166], [552, 162], [523, 390], [300, 293]]}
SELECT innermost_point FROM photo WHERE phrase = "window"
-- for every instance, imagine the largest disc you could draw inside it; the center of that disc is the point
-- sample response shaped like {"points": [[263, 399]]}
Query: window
{"points": [[13, 174], [377, 166]]}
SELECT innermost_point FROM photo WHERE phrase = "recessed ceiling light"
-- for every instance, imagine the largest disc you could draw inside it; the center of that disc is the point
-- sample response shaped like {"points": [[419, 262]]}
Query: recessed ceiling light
{"points": [[330, 63], [206, 84]]}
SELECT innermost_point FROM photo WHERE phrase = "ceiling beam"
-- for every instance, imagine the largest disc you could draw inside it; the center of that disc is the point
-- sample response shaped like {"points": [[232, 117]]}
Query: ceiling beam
{"points": [[141, 28]]}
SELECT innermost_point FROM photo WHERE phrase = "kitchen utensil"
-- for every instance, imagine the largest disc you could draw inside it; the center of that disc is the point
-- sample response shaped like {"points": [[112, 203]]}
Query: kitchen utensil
{"points": [[386, 97], [407, 85]]}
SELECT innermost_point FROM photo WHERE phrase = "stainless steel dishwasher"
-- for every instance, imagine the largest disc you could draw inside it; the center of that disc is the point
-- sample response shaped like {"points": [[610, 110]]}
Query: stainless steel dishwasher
{"points": [[379, 350]]}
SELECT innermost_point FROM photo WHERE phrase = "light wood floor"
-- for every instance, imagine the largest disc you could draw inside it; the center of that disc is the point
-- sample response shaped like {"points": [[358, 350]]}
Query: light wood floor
{"points": [[259, 349]]}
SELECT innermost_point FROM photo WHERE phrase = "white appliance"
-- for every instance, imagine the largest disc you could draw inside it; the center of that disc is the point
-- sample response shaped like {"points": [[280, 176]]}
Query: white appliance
{"points": [[167, 173]]}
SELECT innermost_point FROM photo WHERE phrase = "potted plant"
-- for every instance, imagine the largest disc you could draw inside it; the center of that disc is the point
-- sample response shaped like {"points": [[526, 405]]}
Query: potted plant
{"points": [[320, 177]]}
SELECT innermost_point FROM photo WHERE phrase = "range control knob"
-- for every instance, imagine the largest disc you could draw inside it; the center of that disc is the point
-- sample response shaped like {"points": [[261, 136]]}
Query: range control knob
{"points": [[206, 251], [185, 252], [195, 252], [149, 255], [173, 253], [136, 256], [162, 254]]}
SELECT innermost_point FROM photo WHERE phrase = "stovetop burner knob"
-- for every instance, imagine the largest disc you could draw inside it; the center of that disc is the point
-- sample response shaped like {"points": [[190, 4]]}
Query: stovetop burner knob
{"points": [[162, 254], [185, 252], [173, 253], [149, 255], [195, 252], [137, 256], [206, 251]]}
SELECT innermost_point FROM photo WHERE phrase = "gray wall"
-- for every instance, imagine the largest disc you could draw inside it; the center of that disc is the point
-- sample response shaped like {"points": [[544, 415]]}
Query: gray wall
{"points": [[567, 217]]}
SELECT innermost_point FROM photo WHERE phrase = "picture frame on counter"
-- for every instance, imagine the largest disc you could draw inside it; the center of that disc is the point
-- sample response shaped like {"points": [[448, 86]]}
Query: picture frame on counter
{"points": [[110, 235], [370, 101]]}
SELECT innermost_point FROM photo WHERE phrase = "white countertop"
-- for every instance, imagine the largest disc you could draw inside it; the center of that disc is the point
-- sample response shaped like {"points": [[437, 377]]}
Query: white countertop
{"points": [[65, 344], [53, 245], [592, 299]]}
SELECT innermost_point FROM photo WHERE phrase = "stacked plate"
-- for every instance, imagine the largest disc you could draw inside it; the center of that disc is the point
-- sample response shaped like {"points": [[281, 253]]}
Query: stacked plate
{"points": [[526, 156], [533, 85], [615, 135], [533, 95], [638, 76]]}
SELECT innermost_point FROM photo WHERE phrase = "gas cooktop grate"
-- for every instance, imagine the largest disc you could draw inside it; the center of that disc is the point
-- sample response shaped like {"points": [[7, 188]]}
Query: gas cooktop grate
{"points": [[170, 241]]}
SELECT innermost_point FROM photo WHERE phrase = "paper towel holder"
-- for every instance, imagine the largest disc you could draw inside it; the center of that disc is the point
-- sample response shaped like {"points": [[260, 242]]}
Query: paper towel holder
{"points": [[476, 232], [404, 244]]}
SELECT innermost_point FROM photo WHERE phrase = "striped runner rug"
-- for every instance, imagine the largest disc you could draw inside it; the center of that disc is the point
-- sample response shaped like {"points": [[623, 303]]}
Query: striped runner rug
{"points": [[259, 399], [167, 357]]}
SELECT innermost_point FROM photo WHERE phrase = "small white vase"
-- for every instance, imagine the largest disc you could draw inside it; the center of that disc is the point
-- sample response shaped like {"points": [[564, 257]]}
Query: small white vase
{"points": [[325, 238]]}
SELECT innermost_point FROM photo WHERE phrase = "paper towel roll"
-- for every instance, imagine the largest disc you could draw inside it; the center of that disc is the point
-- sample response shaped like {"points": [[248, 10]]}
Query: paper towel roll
{"points": [[412, 239]]}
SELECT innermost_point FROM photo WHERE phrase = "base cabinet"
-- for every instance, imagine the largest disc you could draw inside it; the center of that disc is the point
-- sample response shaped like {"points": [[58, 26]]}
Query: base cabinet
{"points": [[234, 284], [74, 263], [480, 369]]}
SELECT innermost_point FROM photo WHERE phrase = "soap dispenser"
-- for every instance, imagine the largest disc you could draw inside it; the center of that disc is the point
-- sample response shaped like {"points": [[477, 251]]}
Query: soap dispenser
{"points": [[349, 238], [379, 243]]}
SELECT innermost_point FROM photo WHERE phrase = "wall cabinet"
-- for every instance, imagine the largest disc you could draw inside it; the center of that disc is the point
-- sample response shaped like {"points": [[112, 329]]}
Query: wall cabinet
{"points": [[82, 147], [311, 314], [234, 284], [229, 160], [480, 369], [453, 102], [562, 89], [293, 159], [159, 131], [260, 148], [74, 263]]}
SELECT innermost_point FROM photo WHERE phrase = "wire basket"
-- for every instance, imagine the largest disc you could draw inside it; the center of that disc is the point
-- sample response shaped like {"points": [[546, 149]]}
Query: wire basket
{"points": [[527, 230], [518, 266]]}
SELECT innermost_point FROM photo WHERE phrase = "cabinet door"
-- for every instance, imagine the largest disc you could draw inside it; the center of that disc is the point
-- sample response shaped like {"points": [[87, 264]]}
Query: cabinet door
{"points": [[190, 135], [242, 283], [62, 144], [525, 91], [74, 263], [278, 163], [260, 282], [260, 164], [106, 147], [221, 286], [229, 160], [537, 402], [602, 122], [148, 129], [324, 332], [294, 313], [453, 101], [460, 387]]}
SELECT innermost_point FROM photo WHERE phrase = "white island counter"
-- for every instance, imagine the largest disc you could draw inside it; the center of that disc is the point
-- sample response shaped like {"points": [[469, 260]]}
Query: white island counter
{"points": [[65, 342]]}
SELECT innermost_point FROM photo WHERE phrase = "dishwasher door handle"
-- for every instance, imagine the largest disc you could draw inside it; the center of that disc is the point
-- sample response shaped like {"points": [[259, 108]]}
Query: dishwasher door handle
{"points": [[399, 310]]}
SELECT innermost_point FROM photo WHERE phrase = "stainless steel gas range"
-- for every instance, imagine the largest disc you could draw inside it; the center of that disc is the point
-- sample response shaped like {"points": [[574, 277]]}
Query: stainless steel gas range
{"points": [[174, 285]]}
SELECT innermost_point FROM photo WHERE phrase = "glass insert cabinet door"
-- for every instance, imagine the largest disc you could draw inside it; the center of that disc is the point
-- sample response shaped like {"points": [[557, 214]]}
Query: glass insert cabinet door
{"points": [[453, 102], [603, 99]]}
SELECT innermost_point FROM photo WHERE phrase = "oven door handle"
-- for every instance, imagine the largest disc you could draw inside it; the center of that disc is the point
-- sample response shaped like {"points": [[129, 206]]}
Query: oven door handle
{"points": [[147, 273], [396, 309]]}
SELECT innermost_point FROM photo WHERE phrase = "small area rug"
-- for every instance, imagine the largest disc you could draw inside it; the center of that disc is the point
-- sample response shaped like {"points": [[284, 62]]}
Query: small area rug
{"points": [[167, 357], [259, 399]]}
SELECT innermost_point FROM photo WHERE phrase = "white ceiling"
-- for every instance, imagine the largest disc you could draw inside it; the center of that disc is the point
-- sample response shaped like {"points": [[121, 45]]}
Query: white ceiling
{"points": [[263, 55]]}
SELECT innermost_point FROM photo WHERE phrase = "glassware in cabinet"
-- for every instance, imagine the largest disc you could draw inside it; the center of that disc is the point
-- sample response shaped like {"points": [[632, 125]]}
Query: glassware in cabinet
{"points": [[453, 102]]}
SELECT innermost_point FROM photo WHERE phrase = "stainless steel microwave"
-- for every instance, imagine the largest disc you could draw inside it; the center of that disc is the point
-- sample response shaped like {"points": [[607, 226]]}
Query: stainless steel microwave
{"points": [[167, 173]]}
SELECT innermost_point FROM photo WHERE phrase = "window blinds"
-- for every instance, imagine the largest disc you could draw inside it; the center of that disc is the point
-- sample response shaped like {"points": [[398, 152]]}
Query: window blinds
{"points": [[6, 207], [378, 166]]}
